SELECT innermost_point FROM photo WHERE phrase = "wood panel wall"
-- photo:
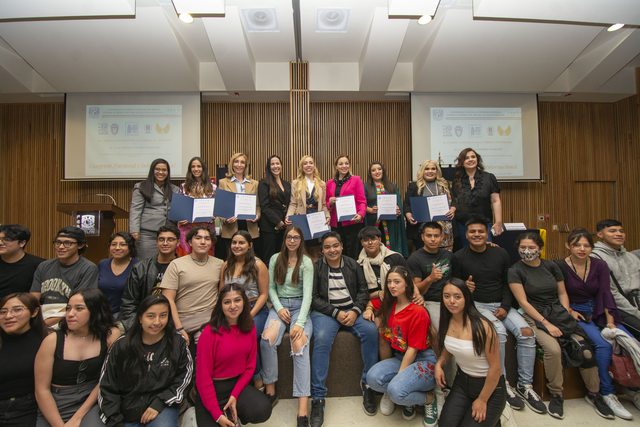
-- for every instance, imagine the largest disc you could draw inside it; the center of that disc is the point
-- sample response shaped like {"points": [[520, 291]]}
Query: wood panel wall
{"points": [[590, 155]]}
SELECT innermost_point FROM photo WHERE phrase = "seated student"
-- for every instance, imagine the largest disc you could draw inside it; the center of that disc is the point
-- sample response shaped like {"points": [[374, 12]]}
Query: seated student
{"points": [[478, 394], [21, 332], [339, 296], [406, 378], [485, 269], [624, 269], [225, 363], [290, 288], [128, 394], [68, 272], [593, 307], [67, 366], [147, 275], [114, 271], [16, 266], [539, 288]]}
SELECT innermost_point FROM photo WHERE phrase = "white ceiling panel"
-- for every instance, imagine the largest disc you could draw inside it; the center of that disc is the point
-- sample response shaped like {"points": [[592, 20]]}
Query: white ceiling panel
{"points": [[47, 9]]}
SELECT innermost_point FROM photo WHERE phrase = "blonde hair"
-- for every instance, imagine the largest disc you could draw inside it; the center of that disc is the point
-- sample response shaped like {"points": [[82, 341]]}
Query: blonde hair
{"points": [[234, 156], [440, 181], [301, 183]]}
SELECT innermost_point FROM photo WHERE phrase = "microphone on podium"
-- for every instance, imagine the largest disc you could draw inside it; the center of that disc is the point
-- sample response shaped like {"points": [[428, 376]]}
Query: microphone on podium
{"points": [[109, 196]]}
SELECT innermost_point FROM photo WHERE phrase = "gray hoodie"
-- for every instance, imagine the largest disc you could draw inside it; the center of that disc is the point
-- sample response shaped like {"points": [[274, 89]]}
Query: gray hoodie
{"points": [[626, 268]]}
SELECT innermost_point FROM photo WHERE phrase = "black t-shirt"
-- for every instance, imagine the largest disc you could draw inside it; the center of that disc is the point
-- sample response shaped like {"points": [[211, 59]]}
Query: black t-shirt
{"points": [[18, 276], [420, 264], [161, 269], [477, 201], [489, 270], [539, 283], [17, 356]]}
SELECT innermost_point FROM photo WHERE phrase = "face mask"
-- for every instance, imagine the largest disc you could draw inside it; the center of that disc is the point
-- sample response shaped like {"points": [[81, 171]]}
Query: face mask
{"points": [[529, 254]]}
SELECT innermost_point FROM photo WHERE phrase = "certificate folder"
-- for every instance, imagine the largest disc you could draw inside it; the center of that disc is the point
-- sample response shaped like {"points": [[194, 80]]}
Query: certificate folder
{"points": [[302, 222], [226, 204], [420, 210], [182, 209]]}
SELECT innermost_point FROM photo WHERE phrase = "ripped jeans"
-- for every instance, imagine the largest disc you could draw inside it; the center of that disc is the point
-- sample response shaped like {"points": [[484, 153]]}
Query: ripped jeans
{"points": [[268, 350]]}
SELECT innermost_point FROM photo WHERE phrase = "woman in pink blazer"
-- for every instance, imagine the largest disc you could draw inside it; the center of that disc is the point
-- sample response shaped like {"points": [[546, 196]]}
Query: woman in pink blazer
{"points": [[345, 184]]}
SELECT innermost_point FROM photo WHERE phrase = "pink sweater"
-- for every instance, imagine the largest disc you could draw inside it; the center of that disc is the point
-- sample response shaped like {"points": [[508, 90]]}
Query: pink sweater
{"points": [[353, 186], [225, 354]]}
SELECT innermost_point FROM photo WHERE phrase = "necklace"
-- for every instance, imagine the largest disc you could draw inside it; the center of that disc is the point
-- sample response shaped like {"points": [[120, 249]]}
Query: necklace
{"points": [[199, 262], [586, 269], [428, 186]]}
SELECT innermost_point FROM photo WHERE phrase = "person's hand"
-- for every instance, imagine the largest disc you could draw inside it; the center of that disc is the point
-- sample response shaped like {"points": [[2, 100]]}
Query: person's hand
{"points": [[451, 212], [332, 201], [350, 318], [439, 376], [553, 331], [182, 222], [369, 315], [328, 221], [576, 315], [231, 406], [479, 410], [287, 222], [497, 228], [185, 335], [372, 209], [74, 421], [296, 332], [356, 218], [611, 325], [341, 317], [135, 236], [149, 415], [417, 298], [284, 315], [223, 421], [409, 217], [254, 219], [500, 313], [231, 220], [471, 284], [436, 273]]}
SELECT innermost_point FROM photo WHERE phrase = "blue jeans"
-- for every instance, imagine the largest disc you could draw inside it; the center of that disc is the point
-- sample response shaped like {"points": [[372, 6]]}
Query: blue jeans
{"points": [[168, 417], [269, 353], [526, 349], [406, 388], [259, 320], [325, 329]]}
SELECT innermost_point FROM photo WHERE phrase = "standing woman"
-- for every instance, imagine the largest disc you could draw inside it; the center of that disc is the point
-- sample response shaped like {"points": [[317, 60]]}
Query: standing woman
{"points": [[290, 289], [225, 363], [113, 272], [128, 393], [406, 378], [238, 181], [197, 185], [67, 366], [475, 193], [429, 182], [478, 395], [345, 184], [393, 232], [274, 195], [149, 208], [308, 195], [21, 332]]}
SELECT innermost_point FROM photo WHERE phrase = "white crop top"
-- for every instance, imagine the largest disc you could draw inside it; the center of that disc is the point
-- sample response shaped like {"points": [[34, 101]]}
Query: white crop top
{"points": [[470, 363]]}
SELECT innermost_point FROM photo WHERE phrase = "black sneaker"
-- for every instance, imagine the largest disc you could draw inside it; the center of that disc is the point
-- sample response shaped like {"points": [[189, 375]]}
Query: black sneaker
{"points": [[556, 409], [408, 412], [303, 422], [273, 398], [513, 399], [599, 405], [368, 400], [531, 398], [317, 412]]}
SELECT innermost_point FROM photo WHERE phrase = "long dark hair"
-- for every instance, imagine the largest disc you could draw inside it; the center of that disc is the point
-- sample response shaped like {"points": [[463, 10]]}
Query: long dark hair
{"points": [[270, 178], [389, 300], [100, 319], [191, 181], [460, 171], [218, 319], [134, 362], [388, 185], [33, 305], [470, 313], [282, 262], [249, 269], [146, 189]]}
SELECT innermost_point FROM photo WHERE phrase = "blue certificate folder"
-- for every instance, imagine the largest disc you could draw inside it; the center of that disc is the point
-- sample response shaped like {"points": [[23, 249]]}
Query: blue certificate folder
{"points": [[302, 223], [420, 210], [182, 209], [226, 205]]}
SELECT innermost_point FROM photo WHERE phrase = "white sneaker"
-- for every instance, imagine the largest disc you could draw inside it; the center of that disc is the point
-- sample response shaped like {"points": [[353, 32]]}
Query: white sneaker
{"points": [[386, 405], [631, 396], [618, 410]]}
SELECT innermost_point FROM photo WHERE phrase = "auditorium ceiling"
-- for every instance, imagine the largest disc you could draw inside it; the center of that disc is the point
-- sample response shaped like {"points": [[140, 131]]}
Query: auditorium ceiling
{"points": [[558, 49]]}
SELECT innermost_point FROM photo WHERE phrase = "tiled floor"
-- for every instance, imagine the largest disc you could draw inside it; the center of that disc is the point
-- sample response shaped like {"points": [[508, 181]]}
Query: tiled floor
{"points": [[347, 411]]}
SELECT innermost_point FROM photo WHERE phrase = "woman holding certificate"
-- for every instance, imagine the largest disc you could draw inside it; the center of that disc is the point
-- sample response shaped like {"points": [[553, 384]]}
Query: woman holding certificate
{"points": [[197, 185], [274, 194], [429, 182], [475, 193], [392, 229], [237, 181], [347, 204]]}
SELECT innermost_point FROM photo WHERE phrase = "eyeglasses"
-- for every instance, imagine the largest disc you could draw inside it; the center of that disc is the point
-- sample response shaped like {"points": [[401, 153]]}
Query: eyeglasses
{"points": [[16, 311], [64, 243], [294, 238], [167, 239], [7, 240]]}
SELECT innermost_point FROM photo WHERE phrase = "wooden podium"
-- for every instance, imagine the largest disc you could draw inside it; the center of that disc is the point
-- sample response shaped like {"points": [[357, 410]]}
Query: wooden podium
{"points": [[98, 221]]}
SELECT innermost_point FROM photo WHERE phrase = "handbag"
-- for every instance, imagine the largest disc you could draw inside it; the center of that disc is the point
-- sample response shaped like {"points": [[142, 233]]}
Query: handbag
{"points": [[622, 369]]}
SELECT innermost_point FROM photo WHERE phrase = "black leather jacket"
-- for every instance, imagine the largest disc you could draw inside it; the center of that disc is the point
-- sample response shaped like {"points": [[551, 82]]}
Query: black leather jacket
{"points": [[353, 278], [143, 278]]}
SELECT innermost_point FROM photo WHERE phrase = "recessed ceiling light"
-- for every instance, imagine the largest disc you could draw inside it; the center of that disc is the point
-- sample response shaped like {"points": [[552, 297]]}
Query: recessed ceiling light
{"points": [[260, 20], [615, 27], [425, 19], [186, 18], [332, 20]]}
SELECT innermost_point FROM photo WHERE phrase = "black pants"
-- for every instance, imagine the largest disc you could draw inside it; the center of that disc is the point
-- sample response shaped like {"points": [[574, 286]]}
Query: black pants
{"points": [[19, 411], [457, 408], [631, 322], [252, 405], [350, 242], [270, 244]]}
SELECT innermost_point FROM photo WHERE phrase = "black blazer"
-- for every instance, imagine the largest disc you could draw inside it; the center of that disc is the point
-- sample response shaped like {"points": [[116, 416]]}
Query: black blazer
{"points": [[272, 211]]}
